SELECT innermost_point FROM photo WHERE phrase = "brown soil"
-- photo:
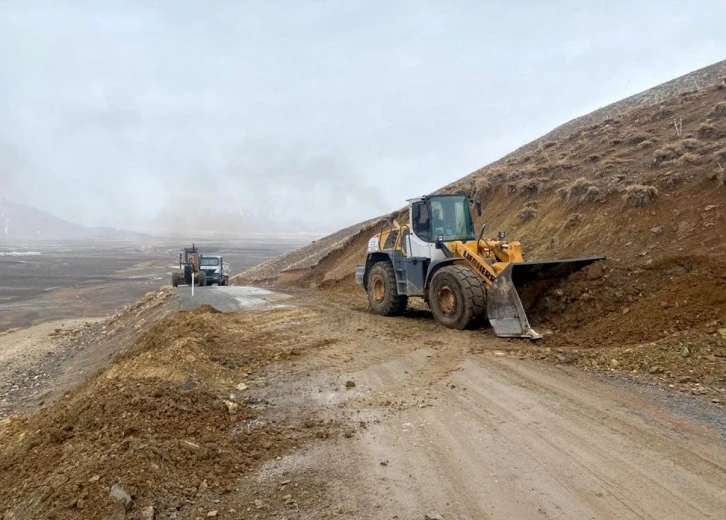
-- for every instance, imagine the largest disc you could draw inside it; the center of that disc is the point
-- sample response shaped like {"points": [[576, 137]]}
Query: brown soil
{"points": [[167, 420], [339, 413]]}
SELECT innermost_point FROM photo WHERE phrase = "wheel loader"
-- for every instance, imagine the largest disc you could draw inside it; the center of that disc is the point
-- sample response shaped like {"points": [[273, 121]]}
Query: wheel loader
{"points": [[462, 276], [189, 271]]}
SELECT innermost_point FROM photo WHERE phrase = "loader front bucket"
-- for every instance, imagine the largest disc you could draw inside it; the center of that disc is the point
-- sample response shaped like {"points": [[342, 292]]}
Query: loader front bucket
{"points": [[505, 309]]}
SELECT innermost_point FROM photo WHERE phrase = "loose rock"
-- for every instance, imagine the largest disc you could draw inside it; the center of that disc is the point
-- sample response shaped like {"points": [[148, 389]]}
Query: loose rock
{"points": [[119, 493]]}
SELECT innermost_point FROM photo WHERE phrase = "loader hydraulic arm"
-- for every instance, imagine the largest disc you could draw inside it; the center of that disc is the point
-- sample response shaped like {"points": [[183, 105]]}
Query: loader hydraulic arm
{"points": [[474, 260]]}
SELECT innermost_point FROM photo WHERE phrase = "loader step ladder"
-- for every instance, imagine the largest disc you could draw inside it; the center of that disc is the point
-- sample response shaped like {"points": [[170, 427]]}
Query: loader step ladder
{"points": [[401, 279]]}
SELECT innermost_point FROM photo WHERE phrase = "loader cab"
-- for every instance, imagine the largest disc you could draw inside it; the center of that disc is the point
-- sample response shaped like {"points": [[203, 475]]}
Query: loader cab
{"points": [[446, 216]]}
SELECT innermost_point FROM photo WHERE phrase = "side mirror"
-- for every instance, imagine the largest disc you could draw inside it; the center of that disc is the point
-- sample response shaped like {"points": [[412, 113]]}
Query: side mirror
{"points": [[501, 235], [439, 242]]}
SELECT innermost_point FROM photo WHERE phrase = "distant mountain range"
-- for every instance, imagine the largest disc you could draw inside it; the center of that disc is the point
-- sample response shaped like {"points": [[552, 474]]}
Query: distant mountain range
{"points": [[21, 223]]}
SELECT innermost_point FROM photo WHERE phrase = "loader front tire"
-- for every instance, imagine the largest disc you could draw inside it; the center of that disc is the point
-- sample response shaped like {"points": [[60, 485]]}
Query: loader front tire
{"points": [[457, 297], [175, 279], [383, 294], [202, 279]]}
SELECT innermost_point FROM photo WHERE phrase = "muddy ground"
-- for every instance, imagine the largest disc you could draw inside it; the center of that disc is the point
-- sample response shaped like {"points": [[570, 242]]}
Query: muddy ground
{"points": [[316, 408]]}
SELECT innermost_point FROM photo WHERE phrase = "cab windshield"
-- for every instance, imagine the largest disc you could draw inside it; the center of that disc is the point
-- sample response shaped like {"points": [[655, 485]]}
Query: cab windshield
{"points": [[447, 216], [208, 262]]}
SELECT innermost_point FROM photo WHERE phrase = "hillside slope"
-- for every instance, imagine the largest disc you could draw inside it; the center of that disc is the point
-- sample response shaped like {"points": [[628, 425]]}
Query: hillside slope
{"points": [[645, 187]]}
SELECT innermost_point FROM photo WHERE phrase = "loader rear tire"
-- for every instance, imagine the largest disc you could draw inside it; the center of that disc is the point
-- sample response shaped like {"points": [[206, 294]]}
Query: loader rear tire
{"points": [[457, 297], [175, 279], [383, 294]]}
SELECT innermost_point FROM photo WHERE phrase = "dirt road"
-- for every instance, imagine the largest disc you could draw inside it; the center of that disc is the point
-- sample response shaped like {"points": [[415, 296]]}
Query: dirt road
{"points": [[441, 430], [337, 413]]}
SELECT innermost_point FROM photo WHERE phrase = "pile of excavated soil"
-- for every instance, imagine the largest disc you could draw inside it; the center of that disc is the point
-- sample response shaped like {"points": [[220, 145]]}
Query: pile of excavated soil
{"points": [[618, 306], [168, 422]]}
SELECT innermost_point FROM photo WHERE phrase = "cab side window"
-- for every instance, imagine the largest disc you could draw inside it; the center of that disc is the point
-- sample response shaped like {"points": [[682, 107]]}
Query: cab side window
{"points": [[421, 221]]}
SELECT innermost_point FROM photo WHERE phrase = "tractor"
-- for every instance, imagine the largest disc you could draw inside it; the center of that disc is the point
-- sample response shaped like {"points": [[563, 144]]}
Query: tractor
{"points": [[464, 277], [189, 271]]}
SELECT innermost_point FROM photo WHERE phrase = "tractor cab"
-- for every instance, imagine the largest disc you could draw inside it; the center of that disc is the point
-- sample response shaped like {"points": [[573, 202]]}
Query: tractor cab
{"points": [[442, 217]]}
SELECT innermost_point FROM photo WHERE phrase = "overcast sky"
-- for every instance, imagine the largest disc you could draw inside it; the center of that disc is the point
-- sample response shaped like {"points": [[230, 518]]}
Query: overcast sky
{"points": [[318, 114]]}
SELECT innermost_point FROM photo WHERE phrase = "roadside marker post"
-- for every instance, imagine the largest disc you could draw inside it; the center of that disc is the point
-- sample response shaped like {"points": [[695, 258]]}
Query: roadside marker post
{"points": [[192, 283]]}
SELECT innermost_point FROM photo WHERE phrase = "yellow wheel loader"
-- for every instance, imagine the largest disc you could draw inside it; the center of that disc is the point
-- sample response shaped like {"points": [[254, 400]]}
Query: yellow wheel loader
{"points": [[463, 277]]}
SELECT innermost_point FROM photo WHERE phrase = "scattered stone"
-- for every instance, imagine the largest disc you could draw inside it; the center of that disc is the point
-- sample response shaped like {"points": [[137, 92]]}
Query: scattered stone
{"points": [[686, 352], [614, 363], [241, 387], [212, 514], [433, 516], [94, 478], [716, 401], [657, 230], [285, 482], [384, 463], [685, 379], [148, 513], [722, 332], [710, 207], [259, 504], [656, 370], [350, 384], [231, 407], [626, 310], [119, 493]]}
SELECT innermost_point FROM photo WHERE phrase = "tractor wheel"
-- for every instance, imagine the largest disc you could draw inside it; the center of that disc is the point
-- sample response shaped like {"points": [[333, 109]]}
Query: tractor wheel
{"points": [[175, 279], [382, 291], [225, 281], [457, 297], [202, 279]]}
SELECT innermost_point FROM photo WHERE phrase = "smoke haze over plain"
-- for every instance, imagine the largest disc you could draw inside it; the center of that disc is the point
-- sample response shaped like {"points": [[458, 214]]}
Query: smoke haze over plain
{"points": [[312, 114]]}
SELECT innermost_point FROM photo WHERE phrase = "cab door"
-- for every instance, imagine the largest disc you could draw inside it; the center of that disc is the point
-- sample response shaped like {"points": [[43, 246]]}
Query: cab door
{"points": [[421, 240]]}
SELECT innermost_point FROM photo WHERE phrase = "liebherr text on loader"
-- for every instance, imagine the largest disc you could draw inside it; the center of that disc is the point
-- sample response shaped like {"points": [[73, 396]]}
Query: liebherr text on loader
{"points": [[463, 278]]}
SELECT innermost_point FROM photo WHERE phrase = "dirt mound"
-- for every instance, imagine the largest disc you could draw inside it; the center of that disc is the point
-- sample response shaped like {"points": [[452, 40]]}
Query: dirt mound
{"points": [[168, 421], [622, 306]]}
